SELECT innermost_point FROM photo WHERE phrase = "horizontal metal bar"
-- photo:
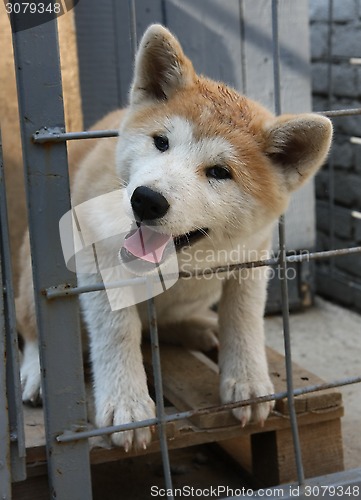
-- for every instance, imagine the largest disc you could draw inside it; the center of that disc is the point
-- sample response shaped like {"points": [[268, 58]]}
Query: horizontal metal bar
{"points": [[301, 257], [340, 112], [73, 436], [65, 289], [355, 60], [57, 134], [356, 214], [355, 140]]}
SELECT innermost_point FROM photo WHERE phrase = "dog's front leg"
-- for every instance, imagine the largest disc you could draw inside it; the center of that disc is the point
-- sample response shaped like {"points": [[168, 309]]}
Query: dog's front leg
{"points": [[120, 385], [242, 356]]}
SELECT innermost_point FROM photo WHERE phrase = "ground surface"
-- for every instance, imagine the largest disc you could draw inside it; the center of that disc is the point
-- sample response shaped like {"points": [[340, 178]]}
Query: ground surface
{"points": [[326, 340]]}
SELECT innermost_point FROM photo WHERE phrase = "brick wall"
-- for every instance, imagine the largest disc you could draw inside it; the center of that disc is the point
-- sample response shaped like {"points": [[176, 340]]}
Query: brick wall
{"points": [[342, 282]]}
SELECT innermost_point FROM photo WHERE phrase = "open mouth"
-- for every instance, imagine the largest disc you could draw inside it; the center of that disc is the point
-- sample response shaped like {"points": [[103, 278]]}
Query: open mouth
{"points": [[144, 244]]}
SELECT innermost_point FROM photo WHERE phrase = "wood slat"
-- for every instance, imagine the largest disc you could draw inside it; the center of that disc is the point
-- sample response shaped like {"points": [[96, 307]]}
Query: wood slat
{"points": [[191, 381]]}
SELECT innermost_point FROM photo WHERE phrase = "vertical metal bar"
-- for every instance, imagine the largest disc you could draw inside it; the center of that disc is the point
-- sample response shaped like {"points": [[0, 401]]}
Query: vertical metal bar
{"points": [[5, 474], [158, 385], [242, 29], [331, 163], [15, 411], [276, 58], [164, 12], [133, 27], [38, 75], [283, 264]]}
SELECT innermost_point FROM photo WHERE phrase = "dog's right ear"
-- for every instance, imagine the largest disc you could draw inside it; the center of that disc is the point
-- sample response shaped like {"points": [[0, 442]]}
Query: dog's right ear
{"points": [[161, 68]]}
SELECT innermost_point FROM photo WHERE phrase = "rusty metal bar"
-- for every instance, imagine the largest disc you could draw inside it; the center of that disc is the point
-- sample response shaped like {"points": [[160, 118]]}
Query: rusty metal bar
{"points": [[158, 386], [283, 265], [57, 134], [340, 112], [65, 289], [68, 435], [12, 378]]}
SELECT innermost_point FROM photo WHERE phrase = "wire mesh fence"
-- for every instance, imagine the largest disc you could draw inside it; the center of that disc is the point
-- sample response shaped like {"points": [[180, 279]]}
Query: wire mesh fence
{"points": [[66, 432]]}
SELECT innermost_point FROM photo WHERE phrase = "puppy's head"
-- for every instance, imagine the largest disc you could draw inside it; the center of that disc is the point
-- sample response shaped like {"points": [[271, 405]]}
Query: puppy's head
{"points": [[199, 159]]}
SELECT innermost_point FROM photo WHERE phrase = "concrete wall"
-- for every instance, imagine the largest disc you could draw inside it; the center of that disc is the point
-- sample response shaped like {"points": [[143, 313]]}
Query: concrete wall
{"points": [[344, 283]]}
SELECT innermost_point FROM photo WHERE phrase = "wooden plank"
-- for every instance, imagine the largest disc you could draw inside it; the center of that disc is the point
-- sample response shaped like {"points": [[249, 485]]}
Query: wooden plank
{"points": [[273, 460], [190, 382], [317, 401], [183, 434], [187, 434], [269, 456]]}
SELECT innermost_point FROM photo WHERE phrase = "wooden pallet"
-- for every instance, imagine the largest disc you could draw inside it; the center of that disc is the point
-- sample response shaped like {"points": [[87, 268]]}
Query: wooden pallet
{"points": [[190, 381]]}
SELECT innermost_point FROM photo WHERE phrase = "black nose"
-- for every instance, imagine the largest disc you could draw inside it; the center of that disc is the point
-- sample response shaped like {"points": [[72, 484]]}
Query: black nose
{"points": [[148, 204]]}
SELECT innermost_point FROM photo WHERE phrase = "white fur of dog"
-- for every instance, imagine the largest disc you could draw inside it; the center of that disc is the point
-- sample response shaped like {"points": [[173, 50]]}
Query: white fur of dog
{"points": [[226, 167]]}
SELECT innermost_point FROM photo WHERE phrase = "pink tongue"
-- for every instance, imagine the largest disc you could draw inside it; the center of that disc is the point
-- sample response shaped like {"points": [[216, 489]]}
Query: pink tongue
{"points": [[147, 244]]}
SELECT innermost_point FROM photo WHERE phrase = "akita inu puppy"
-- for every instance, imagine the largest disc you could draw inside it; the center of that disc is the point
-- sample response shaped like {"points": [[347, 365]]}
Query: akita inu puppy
{"points": [[214, 170]]}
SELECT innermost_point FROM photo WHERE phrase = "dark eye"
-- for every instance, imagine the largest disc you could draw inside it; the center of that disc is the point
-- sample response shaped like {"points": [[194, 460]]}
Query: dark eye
{"points": [[218, 172], [161, 142]]}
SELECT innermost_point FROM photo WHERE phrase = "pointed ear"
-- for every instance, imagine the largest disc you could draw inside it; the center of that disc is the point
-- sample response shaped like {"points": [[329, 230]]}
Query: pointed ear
{"points": [[161, 68], [298, 145]]}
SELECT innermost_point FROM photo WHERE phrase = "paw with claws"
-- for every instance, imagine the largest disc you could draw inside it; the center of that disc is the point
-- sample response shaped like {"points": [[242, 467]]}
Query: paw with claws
{"points": [[233, 390], [129, 408]]}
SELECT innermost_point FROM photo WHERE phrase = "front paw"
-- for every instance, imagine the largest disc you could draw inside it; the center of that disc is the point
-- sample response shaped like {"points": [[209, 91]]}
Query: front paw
{"points": [[128, 408], [30, 375], [233, 390]]}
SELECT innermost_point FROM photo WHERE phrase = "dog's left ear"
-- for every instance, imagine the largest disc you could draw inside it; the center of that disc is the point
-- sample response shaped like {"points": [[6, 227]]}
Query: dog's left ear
{"points": [[161, 68], [298, 145]]}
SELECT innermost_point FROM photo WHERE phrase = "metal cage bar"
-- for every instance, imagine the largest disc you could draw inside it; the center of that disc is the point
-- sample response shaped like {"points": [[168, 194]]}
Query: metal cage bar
{"points": [[64, 290], [57, 134], [73, 435], [37, 66], [331, 163], [158, 385], [283, 264], [15, 411], [5, 470]]}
